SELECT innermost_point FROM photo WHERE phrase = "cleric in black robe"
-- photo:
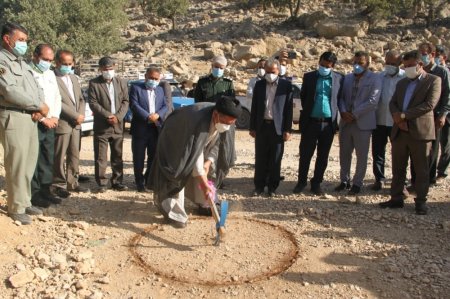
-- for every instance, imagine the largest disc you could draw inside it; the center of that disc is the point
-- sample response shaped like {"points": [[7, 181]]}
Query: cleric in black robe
{"points": [[187, 149]]}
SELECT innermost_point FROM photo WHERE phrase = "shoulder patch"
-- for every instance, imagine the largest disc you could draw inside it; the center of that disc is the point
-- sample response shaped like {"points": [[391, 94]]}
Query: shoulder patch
{"points": [[227, 79], [2, 71]]}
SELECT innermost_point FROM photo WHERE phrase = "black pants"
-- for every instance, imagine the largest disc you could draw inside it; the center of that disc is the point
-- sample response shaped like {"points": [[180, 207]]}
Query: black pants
{"points": [[269, 148], [139, 146], [444, 159], [320, 135], [380, 137], [432, 160], [101, 142], [43, 175]]}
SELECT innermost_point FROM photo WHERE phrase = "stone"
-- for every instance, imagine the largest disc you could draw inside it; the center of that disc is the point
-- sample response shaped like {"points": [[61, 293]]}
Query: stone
{"points": [[331, 29], [342, 41], [26, 251], [83, 267], [22, 278], [274, 44], [40, 273], [249, 50], [103, 280], [81, 284], [209, 53], [81, 225], [96, 295], [434, 40], [309, 21], [179, 68], [83, 255]]}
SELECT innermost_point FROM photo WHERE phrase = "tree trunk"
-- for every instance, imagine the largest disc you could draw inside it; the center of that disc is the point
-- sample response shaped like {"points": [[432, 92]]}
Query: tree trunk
{"points": [[297, 8], [430, 15], [291, 9], [173, 22]]}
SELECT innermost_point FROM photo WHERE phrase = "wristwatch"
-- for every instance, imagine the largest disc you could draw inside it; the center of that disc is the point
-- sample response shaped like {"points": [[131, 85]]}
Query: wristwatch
{"points": [[402, 115]]}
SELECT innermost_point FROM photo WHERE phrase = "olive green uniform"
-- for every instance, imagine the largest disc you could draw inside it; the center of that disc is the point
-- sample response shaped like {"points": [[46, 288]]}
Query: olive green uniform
{"points": [[20, 96], [209, 89]]}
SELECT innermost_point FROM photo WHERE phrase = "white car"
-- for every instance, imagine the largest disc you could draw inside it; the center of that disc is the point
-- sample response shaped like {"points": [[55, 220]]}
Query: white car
{"points": [[243, 122]]}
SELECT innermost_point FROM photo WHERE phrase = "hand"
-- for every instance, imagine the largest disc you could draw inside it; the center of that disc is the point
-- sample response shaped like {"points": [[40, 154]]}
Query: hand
{"points": [[396, 116], [204, 186], [253, 134], [286, 136], [80, 119], [347, 117], [112, 120], [206, 166], [403, 126], [440, 122], [153, 117], [44, 109], [49, 123], [36, 116]]}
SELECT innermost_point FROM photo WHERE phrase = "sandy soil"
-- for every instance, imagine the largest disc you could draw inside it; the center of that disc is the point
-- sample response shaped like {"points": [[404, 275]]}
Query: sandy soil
{"points": [[114, 245]]}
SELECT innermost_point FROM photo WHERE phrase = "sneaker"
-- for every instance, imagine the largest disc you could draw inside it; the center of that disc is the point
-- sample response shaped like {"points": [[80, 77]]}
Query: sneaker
{"points": [[33, 211], [24, 219], [342, 186], [119, 187], [354, 190]]}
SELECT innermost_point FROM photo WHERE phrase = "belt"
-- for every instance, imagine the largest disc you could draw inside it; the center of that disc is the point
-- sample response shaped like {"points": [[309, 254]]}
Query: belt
{"points": [[268, 121], [321, 119], [15, 109]]}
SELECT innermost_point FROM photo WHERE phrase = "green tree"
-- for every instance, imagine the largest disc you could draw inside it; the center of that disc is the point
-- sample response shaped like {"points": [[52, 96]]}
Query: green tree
{"points": [[87, 27], [170, 9]]}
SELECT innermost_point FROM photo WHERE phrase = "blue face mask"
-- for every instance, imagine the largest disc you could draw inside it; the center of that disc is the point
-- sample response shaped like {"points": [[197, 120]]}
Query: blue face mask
{"points": [[217, 72], [43, 65], [425, 59], [324, 71], [357, 69], [65, 69], [152, 84], [20, 48], [437, 61], [72, 72]]}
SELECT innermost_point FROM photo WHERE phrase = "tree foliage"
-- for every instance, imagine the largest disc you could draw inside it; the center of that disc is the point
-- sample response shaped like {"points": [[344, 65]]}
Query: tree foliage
{"points": [[170, 9], [87, 27]]}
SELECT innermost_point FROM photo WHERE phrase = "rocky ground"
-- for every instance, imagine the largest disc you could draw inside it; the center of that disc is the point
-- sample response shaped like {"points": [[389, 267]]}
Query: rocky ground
{"points": [[114, 245]]}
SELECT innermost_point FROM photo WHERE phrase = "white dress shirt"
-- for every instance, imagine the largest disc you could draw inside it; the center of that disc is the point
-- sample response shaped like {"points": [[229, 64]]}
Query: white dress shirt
{"points": [[52, 97], [384, 116], [151, 100], [271, 89], [110, 87], [68, 82]]}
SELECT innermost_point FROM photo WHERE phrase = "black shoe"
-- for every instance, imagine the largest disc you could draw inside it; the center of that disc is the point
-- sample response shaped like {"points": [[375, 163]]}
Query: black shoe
{"points": [[204, 211], [354, 190], [101, 189], [316, 190], [392, 204], [176, 224], [83, 178], [141, 189], [78, 189], [411, 188], [257, 192], [63, 193], [119, 187], [53, 199], [440, 177], [421, 208], [299, 188], [282, 177], [272, 193], [433, 183], [39, 201], [377, 186], [342, 186]]}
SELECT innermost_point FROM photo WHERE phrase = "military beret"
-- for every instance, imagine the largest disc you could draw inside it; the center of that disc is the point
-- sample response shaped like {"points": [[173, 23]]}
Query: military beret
{"points": [[229, 106]]}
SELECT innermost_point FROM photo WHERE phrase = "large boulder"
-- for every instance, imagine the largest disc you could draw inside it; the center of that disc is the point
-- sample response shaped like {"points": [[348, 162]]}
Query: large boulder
{"points": [[331, 29], [274, 44], [311, 20], [249, 50]]}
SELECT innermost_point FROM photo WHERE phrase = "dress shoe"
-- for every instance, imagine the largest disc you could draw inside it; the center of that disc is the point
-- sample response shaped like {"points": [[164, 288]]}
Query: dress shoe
{"points": [[299, 188], [24, 219], [51, 198], [39, 201], [421, 208], [433, 183], [101, 189], [33, 211], [257, 192], [392, 204], [272, 193], [78, 189], [119, 187], [377, 186], [354, 190], [141, 189], [83, 178], [316, 190], [411, 188], [342, 186], [61, 192], [176, 224]]}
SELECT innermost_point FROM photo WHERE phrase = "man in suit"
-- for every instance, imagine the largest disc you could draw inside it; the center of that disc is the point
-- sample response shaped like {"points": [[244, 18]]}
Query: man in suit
{"points": [[360, 95], [414, 129], [318, 120], [108, 99], [270, 125], [67, 134], [148, 103]]}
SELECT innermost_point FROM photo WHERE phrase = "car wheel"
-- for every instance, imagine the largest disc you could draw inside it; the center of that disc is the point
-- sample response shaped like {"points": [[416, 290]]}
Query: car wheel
{"points": [[243, 122]]}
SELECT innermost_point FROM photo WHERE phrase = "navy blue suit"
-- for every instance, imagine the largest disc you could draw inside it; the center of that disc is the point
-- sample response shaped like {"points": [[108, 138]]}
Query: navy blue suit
{"points": [[144, 134], [269, 143]]}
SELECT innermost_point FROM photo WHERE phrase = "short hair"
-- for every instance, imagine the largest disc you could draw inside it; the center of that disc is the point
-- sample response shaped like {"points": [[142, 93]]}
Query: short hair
{"points": [[328, 56], [412, 55], [60, 53], [153, 69], [106, 61], [393, 53], [430, 47], [363, 54], [38, 50], [261, 60], [441, 50], [272, 61], [10, 27]]}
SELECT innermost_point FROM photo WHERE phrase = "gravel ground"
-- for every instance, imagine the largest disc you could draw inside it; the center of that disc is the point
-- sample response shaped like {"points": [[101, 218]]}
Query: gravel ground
{"points": [[344, 247]]}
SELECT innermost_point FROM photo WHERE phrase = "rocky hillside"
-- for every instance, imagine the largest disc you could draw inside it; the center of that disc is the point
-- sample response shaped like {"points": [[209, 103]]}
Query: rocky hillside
{"points": [[243, 36]]}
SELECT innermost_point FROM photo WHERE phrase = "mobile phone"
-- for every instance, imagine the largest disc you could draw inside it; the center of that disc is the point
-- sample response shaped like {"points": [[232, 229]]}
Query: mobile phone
{"points": [[292, 55]]}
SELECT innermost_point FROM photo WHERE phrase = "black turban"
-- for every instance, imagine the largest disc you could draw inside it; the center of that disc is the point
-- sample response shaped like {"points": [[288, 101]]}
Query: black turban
{"points": [[229, 106]]}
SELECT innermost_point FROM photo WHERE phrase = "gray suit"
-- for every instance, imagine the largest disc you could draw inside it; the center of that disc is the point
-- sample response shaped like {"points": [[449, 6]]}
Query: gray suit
{"points": [[67, 135], [361, 99]]}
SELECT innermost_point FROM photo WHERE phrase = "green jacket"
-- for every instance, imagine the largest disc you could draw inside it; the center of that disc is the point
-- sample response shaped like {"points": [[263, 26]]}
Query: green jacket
{"points": [[209, 89]]}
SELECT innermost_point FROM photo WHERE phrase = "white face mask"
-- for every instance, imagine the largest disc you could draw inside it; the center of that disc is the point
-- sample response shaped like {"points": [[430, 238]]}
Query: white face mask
{"points": [[283, 69], [220, 127], [271, 77], [261, 72], [411, 72], [108, 75]]}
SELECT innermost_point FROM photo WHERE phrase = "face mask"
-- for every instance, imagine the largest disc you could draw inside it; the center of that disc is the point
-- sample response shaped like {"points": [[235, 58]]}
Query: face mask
{"points": [[283, 70], [391, 70], [437, 60], [20, 48], [357, 69], [261, 72], [217, 72], [220, 127], [425, 59], [271, 77], [65, 69], [43, 65], [152, 84], [108, 75], [324, 71], [411, 72]]}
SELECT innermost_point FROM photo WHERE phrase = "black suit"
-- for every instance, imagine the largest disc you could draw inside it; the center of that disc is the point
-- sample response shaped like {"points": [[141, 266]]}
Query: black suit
{"points": [[269, 144], [316, 132]]}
